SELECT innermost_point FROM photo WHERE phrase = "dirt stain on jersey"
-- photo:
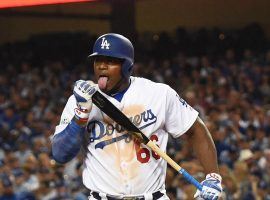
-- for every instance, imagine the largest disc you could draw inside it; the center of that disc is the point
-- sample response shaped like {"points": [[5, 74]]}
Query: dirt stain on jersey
{"points": [[124, 153]]}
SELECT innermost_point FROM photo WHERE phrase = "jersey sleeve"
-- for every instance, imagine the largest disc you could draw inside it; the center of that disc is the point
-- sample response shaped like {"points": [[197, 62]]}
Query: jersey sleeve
{"points": [[179, 115], [67, 115]]}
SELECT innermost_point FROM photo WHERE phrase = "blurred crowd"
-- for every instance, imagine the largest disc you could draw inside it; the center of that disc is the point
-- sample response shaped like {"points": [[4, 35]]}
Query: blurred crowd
{"points": [[225, 75]]}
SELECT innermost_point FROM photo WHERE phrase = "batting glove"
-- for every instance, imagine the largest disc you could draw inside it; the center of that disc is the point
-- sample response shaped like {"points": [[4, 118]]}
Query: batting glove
{"points": [[211, 187], [83, 91]]}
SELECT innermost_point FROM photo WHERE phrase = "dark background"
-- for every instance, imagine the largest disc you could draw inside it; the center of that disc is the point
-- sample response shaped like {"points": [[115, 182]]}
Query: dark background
{"points": [[141, 15]]}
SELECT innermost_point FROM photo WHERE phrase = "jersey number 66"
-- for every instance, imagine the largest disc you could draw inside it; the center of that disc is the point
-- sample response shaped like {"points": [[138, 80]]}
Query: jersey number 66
{"points": [[143, 154]]}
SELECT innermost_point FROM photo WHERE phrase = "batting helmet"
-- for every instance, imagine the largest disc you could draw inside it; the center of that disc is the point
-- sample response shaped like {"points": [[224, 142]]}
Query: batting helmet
{"points": [[117, 46]]}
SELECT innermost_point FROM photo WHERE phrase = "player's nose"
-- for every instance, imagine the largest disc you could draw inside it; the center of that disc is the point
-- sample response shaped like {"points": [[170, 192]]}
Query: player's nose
{"points": [[103, 65]]}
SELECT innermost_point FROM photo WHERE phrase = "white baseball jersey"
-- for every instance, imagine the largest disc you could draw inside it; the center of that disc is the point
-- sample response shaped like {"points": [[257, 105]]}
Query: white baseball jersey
{"points": [[114, 163]]}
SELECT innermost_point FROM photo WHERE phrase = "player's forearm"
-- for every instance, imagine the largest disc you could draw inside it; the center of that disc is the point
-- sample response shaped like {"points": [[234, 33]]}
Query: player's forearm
{"points": [[67, 144], [204, 147]]}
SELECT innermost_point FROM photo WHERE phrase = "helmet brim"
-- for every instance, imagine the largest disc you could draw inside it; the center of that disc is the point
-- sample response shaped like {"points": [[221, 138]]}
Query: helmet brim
{"points": [[96, 54], [92, 55]]}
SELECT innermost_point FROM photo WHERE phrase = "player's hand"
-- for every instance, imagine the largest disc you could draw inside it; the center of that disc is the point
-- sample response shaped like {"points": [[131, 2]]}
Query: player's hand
{"points": [[211, 187], [83, 91]]}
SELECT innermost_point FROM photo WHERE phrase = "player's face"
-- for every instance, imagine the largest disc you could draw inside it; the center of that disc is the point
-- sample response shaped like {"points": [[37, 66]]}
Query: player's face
{"points": [[107, 72]]}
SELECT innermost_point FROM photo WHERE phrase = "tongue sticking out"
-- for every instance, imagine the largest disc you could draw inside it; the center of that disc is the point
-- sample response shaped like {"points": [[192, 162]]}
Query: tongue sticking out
{"points": [[102, 82]]}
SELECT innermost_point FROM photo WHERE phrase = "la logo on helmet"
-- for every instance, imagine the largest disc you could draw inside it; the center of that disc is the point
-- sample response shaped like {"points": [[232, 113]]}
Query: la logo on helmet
{"points": [[105, 44]]}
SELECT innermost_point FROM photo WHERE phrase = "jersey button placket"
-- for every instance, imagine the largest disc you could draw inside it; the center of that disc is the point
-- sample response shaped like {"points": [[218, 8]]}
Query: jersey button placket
{"points": [[125, 173]]}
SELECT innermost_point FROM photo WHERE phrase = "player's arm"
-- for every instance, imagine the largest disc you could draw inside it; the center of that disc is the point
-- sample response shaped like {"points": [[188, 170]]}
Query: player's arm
{"points": [[181, 119], [203, 145], [67, 143], [200, 139]]}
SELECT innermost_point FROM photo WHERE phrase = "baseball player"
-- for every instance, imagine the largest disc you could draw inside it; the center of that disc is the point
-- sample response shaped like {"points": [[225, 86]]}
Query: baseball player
{"points": [[117, 166]]}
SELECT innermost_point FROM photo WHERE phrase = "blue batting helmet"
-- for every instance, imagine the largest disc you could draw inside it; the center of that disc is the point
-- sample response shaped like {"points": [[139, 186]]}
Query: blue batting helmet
{"points": [[117, 46]]}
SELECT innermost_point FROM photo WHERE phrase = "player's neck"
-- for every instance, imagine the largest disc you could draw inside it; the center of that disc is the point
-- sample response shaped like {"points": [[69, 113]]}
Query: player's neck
{"points": [[121, 86], [125, 85]]}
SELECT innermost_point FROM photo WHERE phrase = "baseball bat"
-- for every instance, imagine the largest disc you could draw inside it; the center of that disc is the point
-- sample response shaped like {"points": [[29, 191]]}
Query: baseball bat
{"points": [[114, 113]]}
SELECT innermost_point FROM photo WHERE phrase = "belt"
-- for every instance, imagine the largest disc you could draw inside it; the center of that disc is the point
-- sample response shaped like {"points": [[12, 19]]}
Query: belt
{"points": [[155, 195]]}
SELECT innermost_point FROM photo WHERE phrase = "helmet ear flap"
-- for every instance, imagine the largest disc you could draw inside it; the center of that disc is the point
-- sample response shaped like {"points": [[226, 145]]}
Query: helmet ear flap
{"points": [[126, 68]]}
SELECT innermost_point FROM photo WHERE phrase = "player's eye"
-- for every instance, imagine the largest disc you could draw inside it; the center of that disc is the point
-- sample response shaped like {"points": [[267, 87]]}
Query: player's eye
{"points": [[113, 61], [108, 60]]}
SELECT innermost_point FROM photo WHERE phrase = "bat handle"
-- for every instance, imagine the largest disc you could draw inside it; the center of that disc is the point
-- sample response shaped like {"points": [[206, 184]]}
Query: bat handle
{"points": [[177, 167], [190, 179]]}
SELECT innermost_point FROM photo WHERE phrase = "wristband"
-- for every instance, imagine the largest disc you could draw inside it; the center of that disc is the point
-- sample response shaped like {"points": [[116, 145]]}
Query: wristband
{"points": [[214, 175], [80, 117]]}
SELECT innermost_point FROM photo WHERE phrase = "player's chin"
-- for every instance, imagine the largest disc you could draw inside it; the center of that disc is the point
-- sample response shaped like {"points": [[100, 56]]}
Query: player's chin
{"points": [[105, 90]]}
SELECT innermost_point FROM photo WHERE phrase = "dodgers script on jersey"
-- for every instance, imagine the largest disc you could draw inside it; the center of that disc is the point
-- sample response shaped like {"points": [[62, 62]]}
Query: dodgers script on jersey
{"points": [[115, 163]]}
